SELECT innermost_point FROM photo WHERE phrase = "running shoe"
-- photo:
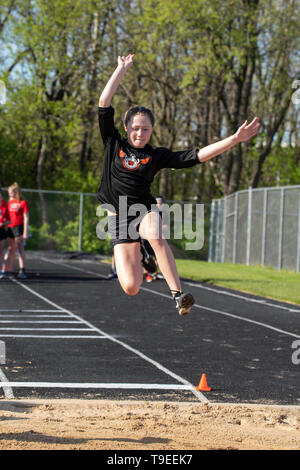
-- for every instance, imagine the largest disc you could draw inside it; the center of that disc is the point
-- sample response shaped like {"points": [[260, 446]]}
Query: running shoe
{"points": [[21, 275], [148, 261], [184, 303], [148, 277], [9, 274], [112, 276]]}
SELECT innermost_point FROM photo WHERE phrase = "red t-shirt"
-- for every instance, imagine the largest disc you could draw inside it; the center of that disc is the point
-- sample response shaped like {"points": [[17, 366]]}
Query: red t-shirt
{"points": [[16, 210], [4, 215]]}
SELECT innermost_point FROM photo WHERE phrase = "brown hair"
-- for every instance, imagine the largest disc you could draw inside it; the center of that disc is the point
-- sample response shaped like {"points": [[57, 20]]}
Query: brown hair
{"points": [[138, 110]]}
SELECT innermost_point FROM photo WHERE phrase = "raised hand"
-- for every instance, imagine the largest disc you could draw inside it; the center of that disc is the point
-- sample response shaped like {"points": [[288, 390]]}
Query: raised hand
{"points": [[247, 131], [125, 62], [110, 88]]}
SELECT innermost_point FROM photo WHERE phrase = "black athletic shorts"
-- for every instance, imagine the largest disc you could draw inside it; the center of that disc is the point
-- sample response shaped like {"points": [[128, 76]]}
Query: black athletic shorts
{"points": [[3, 234], [16, 231], [125, 230]]}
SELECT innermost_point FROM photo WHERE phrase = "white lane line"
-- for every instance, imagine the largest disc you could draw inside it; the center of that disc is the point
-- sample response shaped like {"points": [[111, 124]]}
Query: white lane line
{"points": [[58, 307], [109, 386], [41, 321], [242, 297], [34, 316], [8, 392], [156, 364], [44, 329], [202, 307], [74, 267], [55, 336], [264, 302], [28, 311]]}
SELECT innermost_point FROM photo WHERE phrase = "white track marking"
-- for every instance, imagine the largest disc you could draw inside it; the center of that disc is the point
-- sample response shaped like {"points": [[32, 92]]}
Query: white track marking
{"points": [[202, 307], [27, 311], [55, 336], [242, 297], [6, 386], [136, 386], [35, 316], [262, 301], [74, 267], [156, 364], [40, 321], [44, 329]]}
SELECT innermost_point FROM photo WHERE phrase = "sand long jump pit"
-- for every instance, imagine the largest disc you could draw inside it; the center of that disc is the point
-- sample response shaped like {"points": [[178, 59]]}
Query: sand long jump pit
{"points": [[72, 424]]}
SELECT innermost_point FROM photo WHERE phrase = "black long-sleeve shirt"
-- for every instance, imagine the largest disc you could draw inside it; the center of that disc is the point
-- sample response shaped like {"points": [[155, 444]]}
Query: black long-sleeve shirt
{"points": [[128, 171]]}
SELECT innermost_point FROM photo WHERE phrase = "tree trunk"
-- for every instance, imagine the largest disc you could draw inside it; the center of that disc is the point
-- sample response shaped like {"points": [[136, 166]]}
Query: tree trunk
{"points": [[273, 129], [163, 183], [39, 178]]}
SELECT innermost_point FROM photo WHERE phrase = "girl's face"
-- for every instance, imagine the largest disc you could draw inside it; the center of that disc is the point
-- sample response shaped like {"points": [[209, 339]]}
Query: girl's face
{"points": [[139, 130], [11, 193]]}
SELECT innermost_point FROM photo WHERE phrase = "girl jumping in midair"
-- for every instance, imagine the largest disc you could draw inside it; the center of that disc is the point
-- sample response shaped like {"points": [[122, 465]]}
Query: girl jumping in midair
{"points": [[130, 165]]}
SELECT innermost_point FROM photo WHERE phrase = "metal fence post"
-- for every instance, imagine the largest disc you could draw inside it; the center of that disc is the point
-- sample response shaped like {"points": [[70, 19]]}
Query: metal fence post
{"points": [[224, 228], [235, 227], [220, 230], [298, 240], [80, 221], [282, 194], [249, 219], [264, 227], [211, 231], [217, 237]]}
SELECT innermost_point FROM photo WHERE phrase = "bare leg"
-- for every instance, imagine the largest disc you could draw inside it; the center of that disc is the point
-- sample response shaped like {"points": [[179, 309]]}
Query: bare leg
{"points": [[21, 251], [2, 265], [113, 263], [11, 255], [128, 264], [4, 260], [150, 229]]}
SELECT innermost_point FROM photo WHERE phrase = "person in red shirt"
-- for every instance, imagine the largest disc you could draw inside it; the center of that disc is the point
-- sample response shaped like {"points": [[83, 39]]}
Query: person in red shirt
{"points": [[18, 228], [4, 220]]}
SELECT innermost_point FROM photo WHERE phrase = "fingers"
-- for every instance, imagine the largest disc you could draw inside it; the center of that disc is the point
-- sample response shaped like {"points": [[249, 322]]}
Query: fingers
{"points": [[247, 131], [243, 126], [255, 127], [252, 128], [254, 123], [128, 58]]}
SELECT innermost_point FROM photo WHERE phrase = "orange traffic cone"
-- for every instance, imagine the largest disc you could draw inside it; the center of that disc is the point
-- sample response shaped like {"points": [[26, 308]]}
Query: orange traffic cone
{"points": [[203, 387]]}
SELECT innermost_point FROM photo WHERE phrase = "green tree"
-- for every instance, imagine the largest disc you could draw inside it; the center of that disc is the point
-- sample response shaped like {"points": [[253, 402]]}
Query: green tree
{"points": [[203, 66]]}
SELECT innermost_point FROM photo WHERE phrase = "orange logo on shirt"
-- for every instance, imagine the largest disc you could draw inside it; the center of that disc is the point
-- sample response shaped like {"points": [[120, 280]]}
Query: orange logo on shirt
{"points": [[132, 162]]}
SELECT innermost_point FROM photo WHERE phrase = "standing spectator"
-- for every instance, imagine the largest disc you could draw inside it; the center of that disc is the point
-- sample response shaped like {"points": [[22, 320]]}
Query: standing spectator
{"points": [[4, 220], [18, 228]]}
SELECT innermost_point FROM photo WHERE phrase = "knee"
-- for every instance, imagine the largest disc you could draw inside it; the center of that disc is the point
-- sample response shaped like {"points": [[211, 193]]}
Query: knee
{"points": [[156, 243], [131, 287], [131, 290]]}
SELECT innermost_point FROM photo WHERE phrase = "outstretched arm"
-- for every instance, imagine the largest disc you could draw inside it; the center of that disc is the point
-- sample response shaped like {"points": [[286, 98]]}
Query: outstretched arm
{"points": [[244, 133], [110, 88]]}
